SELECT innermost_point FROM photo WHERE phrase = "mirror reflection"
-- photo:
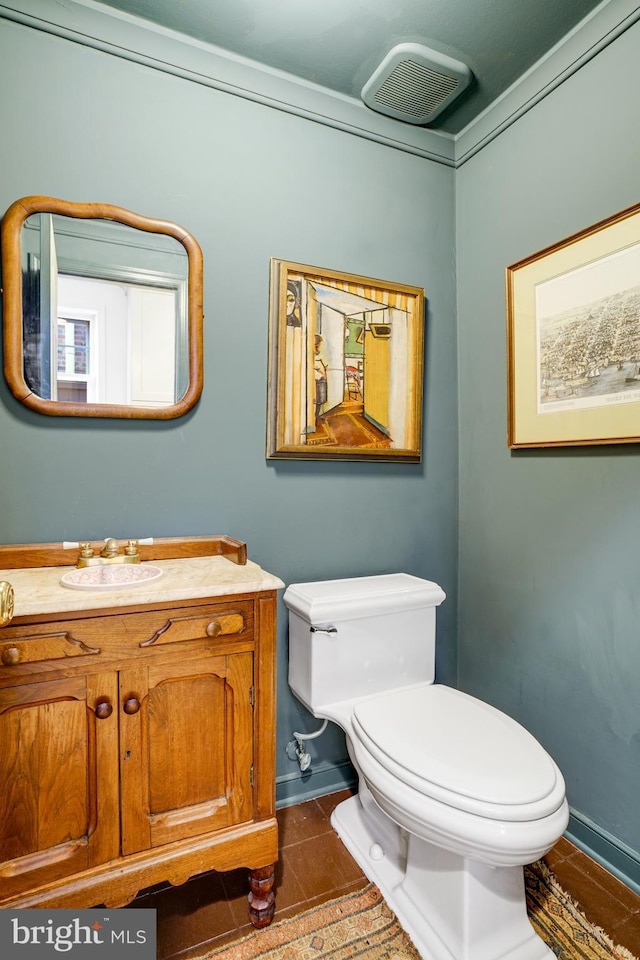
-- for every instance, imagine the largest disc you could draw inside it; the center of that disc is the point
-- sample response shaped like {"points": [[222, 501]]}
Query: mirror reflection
{"points": [[103, 311]]}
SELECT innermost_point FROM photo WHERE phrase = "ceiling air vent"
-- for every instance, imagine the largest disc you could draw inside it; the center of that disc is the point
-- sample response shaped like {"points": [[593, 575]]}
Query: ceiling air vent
{"points": [[414, 83]]}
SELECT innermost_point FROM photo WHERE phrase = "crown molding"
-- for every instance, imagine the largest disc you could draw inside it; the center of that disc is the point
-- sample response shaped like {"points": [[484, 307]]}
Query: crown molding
{"points": [[131, 38], [103, 28], [605, 23]]}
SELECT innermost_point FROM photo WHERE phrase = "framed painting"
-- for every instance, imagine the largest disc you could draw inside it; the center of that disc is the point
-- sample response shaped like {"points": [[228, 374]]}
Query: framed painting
{"points": [[345, 366], [573, 318]]}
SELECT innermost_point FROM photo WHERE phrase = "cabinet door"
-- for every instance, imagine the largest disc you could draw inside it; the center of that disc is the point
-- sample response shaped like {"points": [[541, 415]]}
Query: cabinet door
{"points": [[58, 770], [186, 750]]}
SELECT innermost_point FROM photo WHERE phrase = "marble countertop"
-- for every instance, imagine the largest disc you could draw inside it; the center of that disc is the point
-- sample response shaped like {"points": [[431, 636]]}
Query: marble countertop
{"points": [[38, 590]]}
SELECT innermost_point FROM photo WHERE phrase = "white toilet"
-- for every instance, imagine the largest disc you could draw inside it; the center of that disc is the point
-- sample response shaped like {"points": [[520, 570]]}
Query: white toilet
{"points": [[454, 796]]}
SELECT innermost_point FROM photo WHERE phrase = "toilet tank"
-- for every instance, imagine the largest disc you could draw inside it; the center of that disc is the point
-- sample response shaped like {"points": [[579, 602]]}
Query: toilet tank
{"points": [[349, 638]]}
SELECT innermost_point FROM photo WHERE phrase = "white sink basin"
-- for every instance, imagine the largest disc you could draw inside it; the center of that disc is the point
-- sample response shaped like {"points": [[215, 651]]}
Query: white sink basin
{"points": [[117, 576]]}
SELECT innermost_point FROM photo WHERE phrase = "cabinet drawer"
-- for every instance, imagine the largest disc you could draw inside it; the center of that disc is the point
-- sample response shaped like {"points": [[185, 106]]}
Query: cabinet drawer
{"points": [[47, 646], [52, 646], [226, 621]]}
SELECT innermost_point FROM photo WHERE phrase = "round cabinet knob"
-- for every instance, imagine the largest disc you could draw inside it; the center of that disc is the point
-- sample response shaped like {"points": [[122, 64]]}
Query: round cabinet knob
{"points": [[214, 628], [131, 706], [103, 710], [10, 656]]}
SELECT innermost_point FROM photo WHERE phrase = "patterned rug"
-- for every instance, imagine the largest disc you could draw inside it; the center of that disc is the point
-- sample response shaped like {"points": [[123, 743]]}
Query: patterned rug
{"points": [[362, 925], [560, 923]]}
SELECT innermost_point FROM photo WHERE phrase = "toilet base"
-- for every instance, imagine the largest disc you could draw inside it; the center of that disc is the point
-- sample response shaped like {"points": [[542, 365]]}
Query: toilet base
{"points": [[452, 908]]}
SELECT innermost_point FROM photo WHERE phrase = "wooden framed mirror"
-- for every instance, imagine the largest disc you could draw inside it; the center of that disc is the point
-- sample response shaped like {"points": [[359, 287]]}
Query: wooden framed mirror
{"points": [[102, 311]]}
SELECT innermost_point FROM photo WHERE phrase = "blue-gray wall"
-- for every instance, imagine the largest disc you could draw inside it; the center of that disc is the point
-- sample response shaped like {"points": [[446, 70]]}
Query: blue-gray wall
{"points": [[541, 545], [250, 183], [549, 577]]}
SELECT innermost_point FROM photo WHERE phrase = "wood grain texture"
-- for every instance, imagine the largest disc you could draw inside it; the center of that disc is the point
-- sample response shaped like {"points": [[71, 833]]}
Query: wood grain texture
{"points": [[10, 250], [133, 763], [117, 882], [27, 555]]}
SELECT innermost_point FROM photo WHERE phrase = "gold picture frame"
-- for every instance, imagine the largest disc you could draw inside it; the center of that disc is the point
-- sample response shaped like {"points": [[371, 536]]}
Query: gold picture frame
{"points": [[573, 339], [345, 366]]}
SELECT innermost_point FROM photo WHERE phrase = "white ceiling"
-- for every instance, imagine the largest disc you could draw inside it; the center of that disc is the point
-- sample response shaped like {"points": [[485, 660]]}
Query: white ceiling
{"points": [[337, 44]]}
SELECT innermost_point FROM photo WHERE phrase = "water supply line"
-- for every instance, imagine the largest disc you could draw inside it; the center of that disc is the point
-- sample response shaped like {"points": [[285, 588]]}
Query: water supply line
{"points": [[300, 754]]}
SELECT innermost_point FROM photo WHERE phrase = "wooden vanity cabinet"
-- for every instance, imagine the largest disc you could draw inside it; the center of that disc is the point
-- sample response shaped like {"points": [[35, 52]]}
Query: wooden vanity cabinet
{"points": [[137, 746]]}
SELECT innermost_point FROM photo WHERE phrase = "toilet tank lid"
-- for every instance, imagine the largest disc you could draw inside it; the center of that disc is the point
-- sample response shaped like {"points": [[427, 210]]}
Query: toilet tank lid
{"points": [[322, 601]]}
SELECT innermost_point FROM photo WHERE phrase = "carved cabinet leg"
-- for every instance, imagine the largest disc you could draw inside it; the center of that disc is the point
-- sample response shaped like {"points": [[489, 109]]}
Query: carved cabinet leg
{"points": [[262, 899]]}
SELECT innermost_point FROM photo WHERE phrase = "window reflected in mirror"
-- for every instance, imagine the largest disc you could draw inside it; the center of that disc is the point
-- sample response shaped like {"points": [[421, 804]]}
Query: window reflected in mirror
{"points": [[103, 311]]}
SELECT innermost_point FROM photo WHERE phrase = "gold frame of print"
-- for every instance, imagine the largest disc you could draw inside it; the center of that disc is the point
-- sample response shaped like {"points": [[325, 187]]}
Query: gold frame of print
{"points": [[573, 329]]}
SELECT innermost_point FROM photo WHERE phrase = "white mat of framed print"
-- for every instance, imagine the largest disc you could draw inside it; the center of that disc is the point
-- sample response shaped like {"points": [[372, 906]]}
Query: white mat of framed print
{"points": [[345, 366], [573, 315]]}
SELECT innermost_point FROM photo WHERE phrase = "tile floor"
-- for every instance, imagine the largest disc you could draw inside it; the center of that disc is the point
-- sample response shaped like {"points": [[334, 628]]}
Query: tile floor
{"points": [[211, 911]]}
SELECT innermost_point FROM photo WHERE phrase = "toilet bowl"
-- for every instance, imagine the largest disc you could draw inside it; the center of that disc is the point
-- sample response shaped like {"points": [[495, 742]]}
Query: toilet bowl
{"points": [[454, 796]]}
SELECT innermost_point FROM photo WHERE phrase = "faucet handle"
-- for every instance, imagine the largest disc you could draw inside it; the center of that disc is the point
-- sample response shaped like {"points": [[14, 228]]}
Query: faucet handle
{"points": [[131, 549], [86, 550]]}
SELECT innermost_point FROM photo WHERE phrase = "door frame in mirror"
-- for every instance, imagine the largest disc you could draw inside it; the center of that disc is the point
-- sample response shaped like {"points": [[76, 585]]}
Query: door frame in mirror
{"points": [[12, 308]]}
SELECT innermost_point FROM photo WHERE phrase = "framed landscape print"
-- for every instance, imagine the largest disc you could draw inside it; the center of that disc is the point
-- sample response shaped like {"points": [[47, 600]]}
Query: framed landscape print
{"points": [[573, 317], [345, 366]]}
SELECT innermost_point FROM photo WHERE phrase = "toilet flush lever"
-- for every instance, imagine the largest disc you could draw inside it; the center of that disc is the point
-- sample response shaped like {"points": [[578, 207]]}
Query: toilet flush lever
{"points": [[323, 629]]}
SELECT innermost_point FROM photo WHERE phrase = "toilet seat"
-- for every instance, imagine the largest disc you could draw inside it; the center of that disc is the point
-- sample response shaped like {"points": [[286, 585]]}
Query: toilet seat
{"points": [[459, 751]]}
